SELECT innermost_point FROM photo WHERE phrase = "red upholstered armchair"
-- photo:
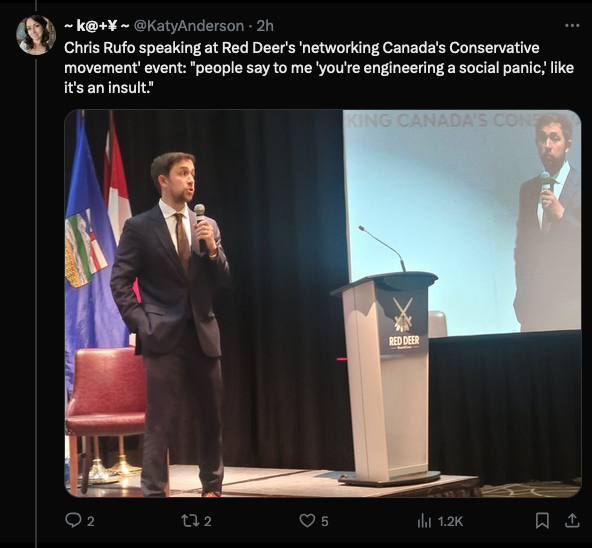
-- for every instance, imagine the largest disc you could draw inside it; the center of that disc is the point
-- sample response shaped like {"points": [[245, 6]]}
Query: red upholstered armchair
{"points": [[108, 399]]}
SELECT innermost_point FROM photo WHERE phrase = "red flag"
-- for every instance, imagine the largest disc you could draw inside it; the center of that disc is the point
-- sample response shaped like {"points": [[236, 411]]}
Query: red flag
{"points": [[114, 185], [115, 190]]}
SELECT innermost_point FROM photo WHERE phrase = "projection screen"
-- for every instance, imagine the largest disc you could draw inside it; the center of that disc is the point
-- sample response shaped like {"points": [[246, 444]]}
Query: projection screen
{"points": [[442, 187]]}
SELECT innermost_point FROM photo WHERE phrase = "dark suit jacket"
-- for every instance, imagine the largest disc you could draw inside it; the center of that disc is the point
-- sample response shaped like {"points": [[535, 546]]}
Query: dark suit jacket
{"points": [[548, 266], [168, 297]]}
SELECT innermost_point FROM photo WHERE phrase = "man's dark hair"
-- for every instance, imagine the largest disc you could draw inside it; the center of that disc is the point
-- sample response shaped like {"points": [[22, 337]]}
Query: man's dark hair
{"points": [[555, 118], [161, 165]]}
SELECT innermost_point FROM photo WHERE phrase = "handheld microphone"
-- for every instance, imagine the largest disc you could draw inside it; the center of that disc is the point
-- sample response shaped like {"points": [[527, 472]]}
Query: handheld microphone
{"points": [[200, 213], [545, 183], [392, 249]]}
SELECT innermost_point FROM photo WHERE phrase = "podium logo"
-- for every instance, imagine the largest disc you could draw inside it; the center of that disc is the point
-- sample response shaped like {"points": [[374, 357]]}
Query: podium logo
{"points": [[403, 321], [407, 341]]}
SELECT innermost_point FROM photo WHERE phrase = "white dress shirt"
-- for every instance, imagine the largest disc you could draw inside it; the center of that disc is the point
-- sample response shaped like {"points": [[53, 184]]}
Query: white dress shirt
{"points": [[560, 179], [169, 216]]}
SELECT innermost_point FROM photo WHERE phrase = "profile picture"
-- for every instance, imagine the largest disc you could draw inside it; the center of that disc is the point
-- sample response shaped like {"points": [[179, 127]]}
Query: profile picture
{"points": [[35, 35]]}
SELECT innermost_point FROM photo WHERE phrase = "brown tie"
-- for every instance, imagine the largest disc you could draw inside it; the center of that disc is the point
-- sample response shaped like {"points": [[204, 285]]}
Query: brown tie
{"points": [[546, 224], [182, 243]]}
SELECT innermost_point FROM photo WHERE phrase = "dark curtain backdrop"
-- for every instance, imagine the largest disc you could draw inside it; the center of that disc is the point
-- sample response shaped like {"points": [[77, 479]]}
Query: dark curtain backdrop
{"points": [[505, 408]]}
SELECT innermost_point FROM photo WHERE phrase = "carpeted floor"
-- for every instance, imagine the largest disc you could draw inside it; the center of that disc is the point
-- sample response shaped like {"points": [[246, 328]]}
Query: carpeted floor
{"points": [[533, 489]]}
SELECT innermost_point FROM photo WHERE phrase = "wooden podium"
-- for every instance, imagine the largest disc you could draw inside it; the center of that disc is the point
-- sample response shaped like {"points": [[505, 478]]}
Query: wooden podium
{"points": [[386, 329]]}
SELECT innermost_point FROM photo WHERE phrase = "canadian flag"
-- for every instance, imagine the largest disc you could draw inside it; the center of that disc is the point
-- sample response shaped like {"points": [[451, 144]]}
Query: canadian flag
{"points": [[115, 191], [114, 185]]}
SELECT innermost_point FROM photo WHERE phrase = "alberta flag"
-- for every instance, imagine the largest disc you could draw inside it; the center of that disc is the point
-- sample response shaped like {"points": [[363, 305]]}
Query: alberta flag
{"points": [[91, 317]]}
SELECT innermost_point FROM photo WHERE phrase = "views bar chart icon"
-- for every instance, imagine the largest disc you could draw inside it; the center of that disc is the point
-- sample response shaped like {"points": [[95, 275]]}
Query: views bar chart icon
{"points": [[423, 524]]}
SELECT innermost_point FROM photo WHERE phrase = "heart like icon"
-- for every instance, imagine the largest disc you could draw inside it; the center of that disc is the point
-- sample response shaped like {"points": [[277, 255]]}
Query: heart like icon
{"points": [[307, 519]]}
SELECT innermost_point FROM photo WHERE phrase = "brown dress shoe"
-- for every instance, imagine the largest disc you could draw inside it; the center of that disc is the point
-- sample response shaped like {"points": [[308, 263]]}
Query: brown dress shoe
{"points": [[211, 494]]}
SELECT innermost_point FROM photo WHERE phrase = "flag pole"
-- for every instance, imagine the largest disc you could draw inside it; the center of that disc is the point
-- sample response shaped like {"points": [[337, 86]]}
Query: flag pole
{"points": [[98, 473], [122, 467]]}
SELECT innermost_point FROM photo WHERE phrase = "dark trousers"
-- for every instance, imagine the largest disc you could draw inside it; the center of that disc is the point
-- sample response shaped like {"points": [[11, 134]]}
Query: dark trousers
{"points": [[185, 373]]}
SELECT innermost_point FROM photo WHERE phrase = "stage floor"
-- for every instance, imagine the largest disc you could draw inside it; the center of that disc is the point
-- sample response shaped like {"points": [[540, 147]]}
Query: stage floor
{"points": [[274, 482]]}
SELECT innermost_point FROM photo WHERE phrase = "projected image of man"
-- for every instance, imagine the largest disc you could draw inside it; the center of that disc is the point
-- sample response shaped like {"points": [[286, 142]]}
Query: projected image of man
{"points": [[547, 254]]}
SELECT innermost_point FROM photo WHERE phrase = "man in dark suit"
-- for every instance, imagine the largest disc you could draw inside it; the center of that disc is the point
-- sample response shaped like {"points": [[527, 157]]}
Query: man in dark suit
{"points": [[179, 263], [548, 240]]}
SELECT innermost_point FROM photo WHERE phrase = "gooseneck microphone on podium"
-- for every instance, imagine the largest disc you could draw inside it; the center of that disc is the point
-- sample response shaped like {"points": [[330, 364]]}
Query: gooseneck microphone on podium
{"points": [[386, 245], [200, 213]]}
